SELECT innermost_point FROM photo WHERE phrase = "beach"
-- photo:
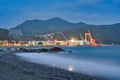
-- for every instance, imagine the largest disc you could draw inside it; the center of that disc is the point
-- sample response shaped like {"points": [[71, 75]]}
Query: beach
{"points": [[14, 68]]}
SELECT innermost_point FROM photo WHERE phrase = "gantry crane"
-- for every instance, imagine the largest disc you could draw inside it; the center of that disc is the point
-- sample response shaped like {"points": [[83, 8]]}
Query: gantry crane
{"points": [[88, 37]]}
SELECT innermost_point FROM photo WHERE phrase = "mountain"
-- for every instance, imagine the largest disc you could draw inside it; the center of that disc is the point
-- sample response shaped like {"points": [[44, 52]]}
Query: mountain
{"points": [[4, 34], [31, 27], [107, 34]]}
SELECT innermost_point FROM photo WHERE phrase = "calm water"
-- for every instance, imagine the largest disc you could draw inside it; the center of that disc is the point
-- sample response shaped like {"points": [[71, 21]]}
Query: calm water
{"points": [[98, 61]]}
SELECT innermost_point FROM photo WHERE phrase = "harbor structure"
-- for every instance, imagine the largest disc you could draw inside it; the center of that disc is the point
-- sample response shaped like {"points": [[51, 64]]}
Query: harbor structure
{"points": [[51, 41]]}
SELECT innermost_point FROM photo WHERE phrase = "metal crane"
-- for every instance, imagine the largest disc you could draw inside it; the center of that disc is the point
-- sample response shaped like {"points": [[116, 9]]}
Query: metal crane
{"points": [[63, 35], [81, 36], [88, 37]]}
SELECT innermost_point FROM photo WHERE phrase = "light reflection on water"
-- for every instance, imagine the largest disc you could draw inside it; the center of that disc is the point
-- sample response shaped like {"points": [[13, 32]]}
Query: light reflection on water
{"points": [[70, 68], [91, 67]]}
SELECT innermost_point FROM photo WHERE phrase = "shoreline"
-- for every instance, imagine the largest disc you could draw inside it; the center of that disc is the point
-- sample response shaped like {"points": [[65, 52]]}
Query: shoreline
{"points": [[39, 71], [52, 46]]}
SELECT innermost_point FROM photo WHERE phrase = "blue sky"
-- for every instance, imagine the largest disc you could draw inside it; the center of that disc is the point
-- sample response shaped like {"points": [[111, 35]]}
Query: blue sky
{"points": [[14, 12]]}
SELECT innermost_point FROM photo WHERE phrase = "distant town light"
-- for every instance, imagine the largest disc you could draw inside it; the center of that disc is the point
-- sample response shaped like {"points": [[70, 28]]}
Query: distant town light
{"points": [[72, 40], [55, 39]]}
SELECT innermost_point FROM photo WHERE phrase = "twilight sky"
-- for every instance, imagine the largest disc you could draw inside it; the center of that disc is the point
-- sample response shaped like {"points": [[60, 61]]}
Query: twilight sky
{"points": [[14, 12]]}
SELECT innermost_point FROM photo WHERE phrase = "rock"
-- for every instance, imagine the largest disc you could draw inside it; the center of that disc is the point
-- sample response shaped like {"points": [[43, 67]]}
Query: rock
{"points": [[1, 50], [56, 49], [53, 49], [43, 50]]}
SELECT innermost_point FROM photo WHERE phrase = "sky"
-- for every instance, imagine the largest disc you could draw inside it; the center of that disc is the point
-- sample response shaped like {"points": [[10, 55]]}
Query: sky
{"points": [[14, 12]]}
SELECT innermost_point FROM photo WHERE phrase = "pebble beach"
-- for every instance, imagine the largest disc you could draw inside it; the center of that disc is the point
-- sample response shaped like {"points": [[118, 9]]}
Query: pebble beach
{"points": [[13, 67]]}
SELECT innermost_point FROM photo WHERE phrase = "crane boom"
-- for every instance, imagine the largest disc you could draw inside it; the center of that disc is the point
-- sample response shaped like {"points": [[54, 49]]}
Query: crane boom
{"points": [[81, 36], [63, 35]]}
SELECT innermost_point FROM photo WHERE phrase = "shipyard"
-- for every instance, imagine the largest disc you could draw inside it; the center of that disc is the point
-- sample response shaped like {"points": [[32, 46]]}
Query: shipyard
{"points": [[86, 40]]}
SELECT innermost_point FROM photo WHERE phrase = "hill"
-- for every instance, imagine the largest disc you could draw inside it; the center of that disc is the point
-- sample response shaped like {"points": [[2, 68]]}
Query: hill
{"points": [[32, 27], [4, 34], [107, 34]]}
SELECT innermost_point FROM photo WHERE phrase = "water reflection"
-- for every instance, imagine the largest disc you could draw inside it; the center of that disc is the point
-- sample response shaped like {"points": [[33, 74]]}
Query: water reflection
{"points": [[70, 68]]}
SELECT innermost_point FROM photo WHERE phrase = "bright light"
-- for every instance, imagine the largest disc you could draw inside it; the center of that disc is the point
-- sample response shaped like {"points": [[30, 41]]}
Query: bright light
{"points": [[70, 68], [72, 40], [55, 40]]}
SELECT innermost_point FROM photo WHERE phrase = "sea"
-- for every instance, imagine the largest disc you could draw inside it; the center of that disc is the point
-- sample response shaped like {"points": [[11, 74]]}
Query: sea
{"points": [[101, 61]]}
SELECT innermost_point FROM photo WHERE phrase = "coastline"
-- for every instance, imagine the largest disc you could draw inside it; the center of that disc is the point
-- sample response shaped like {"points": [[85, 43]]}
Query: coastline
{"points": [[31, 71]]}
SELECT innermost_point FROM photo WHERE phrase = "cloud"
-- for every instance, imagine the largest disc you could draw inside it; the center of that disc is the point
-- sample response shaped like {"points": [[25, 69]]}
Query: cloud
{"points": [[76, 11], [117, 1], [88, 2], [62, 6], [90, 11]]}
